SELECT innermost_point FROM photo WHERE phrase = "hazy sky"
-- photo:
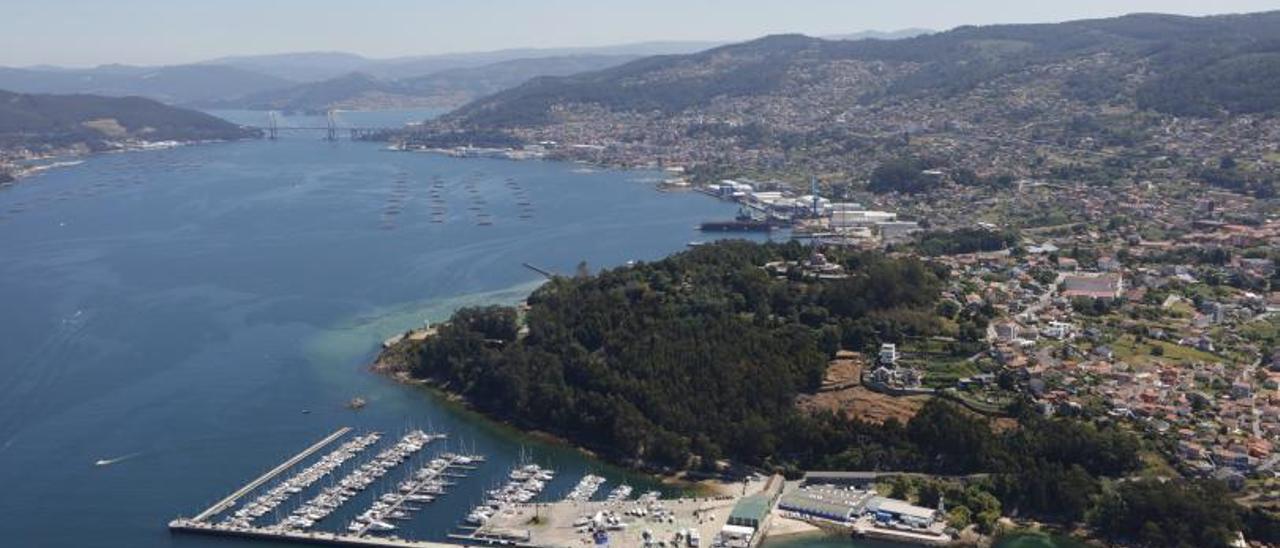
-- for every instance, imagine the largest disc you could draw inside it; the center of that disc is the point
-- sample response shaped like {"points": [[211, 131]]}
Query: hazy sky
{"points": [[88, 32]]}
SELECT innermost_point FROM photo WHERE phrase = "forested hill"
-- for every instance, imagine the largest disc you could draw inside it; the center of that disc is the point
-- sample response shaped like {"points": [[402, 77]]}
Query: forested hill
{"points": [[701, 354], [1184, 65], [35, 120]]}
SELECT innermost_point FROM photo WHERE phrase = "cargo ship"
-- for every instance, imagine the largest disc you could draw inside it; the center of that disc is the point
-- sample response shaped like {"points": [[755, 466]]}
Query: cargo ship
{"points": [[742, 223]]}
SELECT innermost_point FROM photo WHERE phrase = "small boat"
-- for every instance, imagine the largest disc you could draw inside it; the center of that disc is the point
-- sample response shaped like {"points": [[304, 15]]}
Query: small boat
{"points": [[357, 403], [379, 525]]}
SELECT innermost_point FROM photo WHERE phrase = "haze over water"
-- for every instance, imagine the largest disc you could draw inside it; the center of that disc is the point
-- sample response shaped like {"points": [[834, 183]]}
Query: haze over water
{"points": [[176, 312]]}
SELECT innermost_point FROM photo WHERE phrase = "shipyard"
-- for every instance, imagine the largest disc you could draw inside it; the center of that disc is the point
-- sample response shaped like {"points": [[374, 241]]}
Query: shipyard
{"points": [[770, 206]]}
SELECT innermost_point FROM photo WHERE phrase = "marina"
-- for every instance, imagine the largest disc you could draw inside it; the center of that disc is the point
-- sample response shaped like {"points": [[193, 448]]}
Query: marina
{"points": [[422, 486], [526, 482], [331, 498], [425, 486], [268, 501], [511, 514], [492, 522]]}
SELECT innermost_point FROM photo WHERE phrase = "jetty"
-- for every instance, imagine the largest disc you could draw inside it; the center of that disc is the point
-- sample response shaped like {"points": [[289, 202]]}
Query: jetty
{"points": [[304, 537], [549, 275], [231, 499]]}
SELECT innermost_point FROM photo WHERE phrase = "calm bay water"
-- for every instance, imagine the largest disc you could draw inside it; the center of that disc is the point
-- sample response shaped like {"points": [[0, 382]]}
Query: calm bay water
{"points": [[178, 310], [822, 540]]}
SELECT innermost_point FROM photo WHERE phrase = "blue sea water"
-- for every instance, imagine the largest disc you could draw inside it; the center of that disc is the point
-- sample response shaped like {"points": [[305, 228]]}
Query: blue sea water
{"points": [[176, 312]]}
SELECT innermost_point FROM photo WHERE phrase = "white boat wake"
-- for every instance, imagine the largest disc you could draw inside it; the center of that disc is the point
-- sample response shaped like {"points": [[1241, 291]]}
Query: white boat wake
{"points": [[109, 462]]}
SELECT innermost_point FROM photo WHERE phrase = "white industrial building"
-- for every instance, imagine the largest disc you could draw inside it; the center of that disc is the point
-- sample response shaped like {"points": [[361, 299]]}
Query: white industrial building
{"points": [[842, 218], [888, 510], [729, 188]]}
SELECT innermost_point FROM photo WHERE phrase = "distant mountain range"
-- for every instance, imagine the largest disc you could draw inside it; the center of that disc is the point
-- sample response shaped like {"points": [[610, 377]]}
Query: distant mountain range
{"points": [[321, 80], [1092, 100], [1185, 65], [880, 35], [316, 66], [444, 89], [181, 84], [39, 122]]}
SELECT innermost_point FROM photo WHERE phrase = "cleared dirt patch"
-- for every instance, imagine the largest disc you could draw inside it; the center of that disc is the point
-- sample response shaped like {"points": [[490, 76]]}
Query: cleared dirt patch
{"points": [[845, 370], [106, 126], [864, 404]]}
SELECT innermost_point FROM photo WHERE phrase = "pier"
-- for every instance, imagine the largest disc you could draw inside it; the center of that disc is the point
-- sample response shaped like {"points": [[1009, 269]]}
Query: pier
{"points": [[550, 275], [304, 537], [231, 499], [428, 479]]}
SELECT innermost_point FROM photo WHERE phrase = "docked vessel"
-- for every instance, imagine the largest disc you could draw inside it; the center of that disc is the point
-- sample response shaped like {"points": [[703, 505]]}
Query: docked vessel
{"points": [[744, 222]]}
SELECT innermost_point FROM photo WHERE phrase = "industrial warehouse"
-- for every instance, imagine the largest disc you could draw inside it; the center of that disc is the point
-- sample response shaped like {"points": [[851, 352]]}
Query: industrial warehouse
{"points": [[863, 512]]}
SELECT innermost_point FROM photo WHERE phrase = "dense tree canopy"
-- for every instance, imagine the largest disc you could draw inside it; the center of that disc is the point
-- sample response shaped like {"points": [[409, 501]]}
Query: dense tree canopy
{"points": [[965, 240], [663, 360], [1177, 513], [906, 175]]}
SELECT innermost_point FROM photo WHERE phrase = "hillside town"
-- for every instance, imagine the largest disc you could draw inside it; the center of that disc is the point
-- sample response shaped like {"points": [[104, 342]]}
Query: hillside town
{"points": [[1164, 316], [1044, 127]]}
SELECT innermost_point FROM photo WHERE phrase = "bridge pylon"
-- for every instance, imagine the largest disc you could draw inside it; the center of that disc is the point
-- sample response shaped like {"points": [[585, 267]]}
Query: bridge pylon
{"points": [[331, 131], [273, 125]]}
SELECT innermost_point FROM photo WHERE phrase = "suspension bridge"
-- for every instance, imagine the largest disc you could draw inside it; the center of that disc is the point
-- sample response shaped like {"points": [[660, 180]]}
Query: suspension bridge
{"points": [[332, 128]]}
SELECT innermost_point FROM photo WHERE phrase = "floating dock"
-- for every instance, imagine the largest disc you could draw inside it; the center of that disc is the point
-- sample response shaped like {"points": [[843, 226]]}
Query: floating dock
{"points": [[233, 497]]}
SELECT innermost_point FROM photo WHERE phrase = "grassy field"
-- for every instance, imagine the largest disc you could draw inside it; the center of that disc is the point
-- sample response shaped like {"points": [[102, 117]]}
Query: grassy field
{"points": [[942, 371], [1182, 308], [1266, 330], [1155, 466], [1127, 348]]}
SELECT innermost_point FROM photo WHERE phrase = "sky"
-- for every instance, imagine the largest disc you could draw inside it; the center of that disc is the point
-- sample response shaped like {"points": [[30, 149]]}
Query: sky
{"points": [[156, 32]]}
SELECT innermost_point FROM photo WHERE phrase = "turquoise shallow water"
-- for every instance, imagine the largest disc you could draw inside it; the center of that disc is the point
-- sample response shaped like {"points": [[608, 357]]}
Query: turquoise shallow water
{"points": [[1038, 540], [818, 540], [181, 308], [1020, 540]]}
